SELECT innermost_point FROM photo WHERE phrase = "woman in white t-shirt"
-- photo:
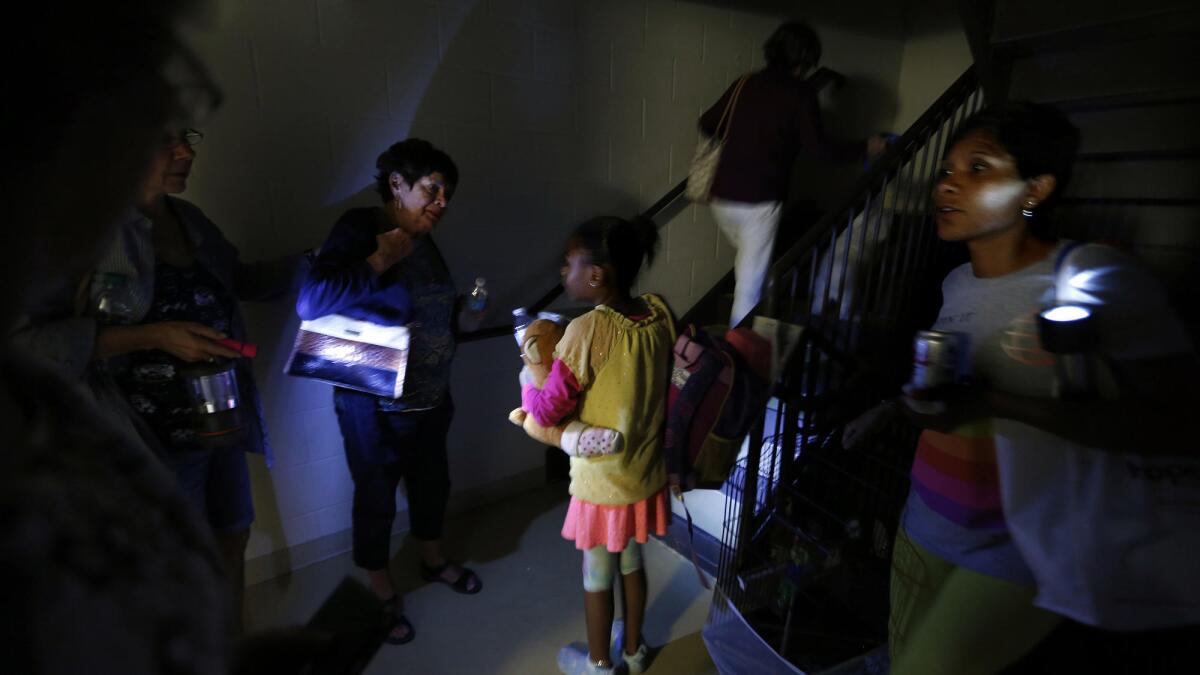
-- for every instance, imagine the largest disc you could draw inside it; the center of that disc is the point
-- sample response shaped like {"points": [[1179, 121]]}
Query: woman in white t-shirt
{"points": [[1100, 497]]}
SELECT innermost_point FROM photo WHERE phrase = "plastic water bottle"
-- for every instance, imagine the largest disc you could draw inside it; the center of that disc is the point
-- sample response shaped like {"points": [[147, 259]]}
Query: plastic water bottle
{"points": [[478, 298], [521, 321], [112, 299]]}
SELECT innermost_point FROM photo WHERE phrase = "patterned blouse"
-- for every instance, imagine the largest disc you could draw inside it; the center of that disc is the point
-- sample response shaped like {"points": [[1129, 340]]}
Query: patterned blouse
{"points": [[150, 379]]}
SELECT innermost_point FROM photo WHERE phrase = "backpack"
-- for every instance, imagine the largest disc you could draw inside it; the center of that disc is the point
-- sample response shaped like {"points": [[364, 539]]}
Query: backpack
{"points": [[718, 390]]}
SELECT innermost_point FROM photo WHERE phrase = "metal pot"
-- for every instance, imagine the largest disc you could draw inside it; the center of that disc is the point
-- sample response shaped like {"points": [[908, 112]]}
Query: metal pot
{"points": [[215, 402]]}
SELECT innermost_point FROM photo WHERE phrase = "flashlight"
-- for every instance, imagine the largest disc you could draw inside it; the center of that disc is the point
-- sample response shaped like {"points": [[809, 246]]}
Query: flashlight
{"points": [[1069, 332], [246, 349]]}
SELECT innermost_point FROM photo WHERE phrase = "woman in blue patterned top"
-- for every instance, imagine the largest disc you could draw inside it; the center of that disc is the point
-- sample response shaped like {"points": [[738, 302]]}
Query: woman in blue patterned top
{"points": [[183, 281], [380, 265]]}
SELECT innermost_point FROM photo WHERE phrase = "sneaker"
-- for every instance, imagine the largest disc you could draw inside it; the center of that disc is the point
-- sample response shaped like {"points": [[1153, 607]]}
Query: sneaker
{"points": [[636, 664], [639, 662], [573, 660]]}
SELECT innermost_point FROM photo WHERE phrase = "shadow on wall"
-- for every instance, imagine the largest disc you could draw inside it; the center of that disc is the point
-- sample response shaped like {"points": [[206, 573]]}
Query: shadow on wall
{"points": [[862, 107], [508, 121]]}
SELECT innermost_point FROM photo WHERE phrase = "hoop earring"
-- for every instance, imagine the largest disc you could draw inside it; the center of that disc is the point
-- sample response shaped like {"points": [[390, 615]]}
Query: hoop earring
{"points": [[1028, 210]]}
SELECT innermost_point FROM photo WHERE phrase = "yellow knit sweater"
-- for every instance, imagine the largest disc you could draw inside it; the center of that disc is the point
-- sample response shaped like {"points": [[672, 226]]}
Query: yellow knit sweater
{"points": [[623, 368]]}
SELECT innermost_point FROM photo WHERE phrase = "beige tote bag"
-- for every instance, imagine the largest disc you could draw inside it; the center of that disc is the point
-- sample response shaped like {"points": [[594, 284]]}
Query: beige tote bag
{"points": [[708, 152]]}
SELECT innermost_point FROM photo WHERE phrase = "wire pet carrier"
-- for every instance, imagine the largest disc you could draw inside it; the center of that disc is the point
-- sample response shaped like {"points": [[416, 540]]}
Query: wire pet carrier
{"points": [[810, 577]]}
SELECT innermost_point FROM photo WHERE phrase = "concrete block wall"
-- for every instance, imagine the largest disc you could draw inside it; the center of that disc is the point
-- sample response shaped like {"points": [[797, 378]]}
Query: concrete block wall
{"points": [[554, 110]]}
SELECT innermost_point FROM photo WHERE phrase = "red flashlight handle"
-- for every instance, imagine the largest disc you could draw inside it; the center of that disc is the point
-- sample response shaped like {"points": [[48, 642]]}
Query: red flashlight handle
{"points": [[247, 349]]}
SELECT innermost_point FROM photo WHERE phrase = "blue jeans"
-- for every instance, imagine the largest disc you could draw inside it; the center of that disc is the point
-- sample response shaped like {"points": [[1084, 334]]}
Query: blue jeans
{"points": [[381, 448]]}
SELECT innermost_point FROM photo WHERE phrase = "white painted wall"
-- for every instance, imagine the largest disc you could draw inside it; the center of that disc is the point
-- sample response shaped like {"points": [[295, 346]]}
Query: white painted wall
{"points": [[554, 110], [936, 53]]}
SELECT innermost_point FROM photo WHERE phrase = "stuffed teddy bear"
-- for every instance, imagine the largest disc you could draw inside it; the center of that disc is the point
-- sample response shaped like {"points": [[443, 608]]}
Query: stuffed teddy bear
{"points": [[574, 438]]}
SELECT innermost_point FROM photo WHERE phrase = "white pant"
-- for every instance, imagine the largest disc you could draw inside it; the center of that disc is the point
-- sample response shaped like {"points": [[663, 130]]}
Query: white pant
{"points": [[751, 229]]}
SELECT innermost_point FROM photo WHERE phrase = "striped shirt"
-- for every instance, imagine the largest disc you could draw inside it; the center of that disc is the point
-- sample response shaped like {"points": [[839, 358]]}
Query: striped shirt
{"points": [[955, 475], [954, 506]]}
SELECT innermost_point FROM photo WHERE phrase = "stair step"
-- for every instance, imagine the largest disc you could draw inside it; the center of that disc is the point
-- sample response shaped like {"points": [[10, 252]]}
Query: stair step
{"points": [[1175, 269], [1146, 226], [1178, 96], [1022, 35], [1017, 19], [1172, 263], [1132, 201], [1159, 132], [1136, 179], [1138, 67], [1124, 156]]}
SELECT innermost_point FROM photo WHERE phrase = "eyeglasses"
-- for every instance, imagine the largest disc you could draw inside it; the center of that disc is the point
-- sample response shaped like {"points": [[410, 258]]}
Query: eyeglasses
{"points": [[188, 137], [192, 137]]}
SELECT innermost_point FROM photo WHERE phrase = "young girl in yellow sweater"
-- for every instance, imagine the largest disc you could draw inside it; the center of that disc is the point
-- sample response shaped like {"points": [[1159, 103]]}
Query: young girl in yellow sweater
{"points": [[611, 369]]}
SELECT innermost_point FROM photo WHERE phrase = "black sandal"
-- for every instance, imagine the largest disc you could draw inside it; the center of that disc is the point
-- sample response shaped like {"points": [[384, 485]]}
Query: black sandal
{"points": [[397, 620], [461, 585]]}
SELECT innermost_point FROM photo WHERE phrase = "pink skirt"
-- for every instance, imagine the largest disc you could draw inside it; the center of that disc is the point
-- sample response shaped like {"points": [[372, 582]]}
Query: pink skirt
{"points": [[590, 525]]}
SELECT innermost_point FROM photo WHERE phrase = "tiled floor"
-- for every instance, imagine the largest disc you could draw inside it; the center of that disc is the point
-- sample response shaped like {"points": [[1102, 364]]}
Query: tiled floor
{"points": [[530, 606]]}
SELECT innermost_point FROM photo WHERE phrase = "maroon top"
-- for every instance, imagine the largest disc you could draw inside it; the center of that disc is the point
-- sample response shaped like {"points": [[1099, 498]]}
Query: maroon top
{"points": [[776, 117]]}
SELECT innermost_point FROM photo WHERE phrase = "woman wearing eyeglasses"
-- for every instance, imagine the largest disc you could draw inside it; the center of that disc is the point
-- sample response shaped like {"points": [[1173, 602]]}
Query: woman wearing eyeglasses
{"points": [[164, 293]]}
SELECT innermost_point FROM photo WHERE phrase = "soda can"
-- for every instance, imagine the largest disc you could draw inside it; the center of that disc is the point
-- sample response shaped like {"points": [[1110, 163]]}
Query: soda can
{"points": [[938, 359]]}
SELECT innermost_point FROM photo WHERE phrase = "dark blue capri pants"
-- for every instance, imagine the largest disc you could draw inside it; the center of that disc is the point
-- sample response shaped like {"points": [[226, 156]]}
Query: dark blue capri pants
{"points": [[381, 448]]}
